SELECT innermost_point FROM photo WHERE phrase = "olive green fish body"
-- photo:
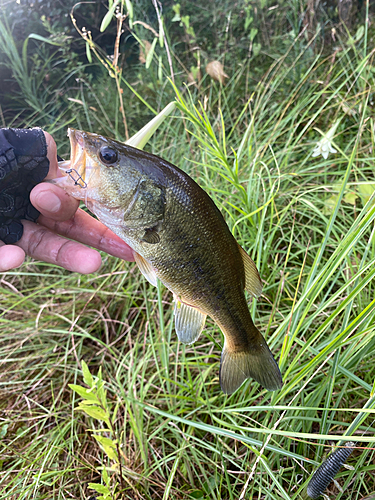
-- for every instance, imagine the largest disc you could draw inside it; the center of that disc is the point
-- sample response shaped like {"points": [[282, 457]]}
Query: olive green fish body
{"points": [[179, 236], [197, 258]]}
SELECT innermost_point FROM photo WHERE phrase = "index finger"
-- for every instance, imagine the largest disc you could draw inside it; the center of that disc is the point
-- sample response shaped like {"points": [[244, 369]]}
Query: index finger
{"points": [[85, 229], [42, 244]]}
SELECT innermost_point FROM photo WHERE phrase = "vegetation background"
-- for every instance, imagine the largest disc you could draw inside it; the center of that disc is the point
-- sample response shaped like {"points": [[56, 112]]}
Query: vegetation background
{"points": [[97, 397]]}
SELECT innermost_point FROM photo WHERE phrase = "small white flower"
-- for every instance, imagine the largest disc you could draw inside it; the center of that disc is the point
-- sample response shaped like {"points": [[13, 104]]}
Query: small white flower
{"points": [[324, 146]]}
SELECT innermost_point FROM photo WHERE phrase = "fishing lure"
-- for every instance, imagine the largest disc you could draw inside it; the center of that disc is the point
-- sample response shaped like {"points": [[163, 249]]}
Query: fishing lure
{"points": [[328, 470]]}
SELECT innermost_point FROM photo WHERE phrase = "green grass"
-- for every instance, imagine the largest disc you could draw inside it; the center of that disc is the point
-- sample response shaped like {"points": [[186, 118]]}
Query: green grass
{"points": [[180, 437]]}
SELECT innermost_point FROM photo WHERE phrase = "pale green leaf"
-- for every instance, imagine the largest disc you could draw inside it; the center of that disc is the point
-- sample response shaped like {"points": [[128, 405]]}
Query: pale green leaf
{"points": [[100, 488], [140, 139], [150, 53], [84, 393], [185, 20], [88, 53], [105, 441], [248, 21], [44, 39], [105, 476], [350, 197], [161, 33], [87, 377], [176, 9], [108, 17], [111, 453], [102, 395], [253, 33], [256, 48], [129, 8], [108, 446], [96, 412], [24, 53], [87, 402], [3, 431], [360, 32], [330, 204], [114, 413], [366, 189]]}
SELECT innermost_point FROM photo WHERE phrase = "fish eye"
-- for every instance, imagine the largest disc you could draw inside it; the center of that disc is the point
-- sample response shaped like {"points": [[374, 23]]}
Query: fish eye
{"points": [[108, 155]]}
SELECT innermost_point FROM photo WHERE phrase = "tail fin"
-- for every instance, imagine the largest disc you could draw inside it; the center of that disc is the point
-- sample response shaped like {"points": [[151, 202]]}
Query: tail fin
{"points": [[257, 362]]}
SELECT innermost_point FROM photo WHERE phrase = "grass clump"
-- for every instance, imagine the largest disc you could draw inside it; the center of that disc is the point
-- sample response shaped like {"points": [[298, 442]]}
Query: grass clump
{"points": [[160, 426]]}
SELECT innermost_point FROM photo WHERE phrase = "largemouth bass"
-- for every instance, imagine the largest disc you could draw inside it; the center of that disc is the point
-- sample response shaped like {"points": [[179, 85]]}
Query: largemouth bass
{"points": [[179, 236]]}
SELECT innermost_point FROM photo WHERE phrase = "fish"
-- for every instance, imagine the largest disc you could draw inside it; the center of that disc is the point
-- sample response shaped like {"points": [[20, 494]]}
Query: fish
{"points": [[180, 237]]}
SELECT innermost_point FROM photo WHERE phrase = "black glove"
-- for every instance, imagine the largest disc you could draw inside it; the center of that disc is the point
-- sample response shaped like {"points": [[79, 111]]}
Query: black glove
{"points": [[23, 164]]}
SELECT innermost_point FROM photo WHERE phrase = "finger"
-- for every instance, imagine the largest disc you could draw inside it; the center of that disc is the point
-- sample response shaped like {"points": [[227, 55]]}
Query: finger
{"points": [[41, 244], [84, 228], [53, 201], [52, 156], [11, 257]]}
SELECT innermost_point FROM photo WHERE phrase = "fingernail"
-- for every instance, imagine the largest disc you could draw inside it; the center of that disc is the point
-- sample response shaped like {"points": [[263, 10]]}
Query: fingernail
{"points": [[49, 202]]}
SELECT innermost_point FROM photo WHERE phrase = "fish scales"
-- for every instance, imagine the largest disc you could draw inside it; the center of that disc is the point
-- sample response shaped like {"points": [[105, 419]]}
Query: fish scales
{"points": [[179, 236]]}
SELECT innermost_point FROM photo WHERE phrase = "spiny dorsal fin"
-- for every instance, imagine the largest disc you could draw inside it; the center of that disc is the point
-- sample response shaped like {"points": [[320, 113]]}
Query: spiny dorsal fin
{"points": [[145, 269], [188, 322], [253, 283]]}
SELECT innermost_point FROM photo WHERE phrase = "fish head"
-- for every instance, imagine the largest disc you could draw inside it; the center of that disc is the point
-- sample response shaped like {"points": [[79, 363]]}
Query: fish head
{"points": [[117, 182], [99, 174]]}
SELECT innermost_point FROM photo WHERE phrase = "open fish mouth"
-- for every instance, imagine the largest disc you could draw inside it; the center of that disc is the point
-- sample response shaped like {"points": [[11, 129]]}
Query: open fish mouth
{"points": [[80, 166], [83, 177]]}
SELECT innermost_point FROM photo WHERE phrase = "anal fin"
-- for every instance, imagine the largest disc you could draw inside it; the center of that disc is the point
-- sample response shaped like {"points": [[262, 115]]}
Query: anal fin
{"points": [[253, 283], [145, 268], [188, 321]]}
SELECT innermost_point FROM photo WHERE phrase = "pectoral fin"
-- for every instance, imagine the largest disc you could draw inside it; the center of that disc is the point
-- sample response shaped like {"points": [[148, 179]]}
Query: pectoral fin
{"points": [[151, 236], [145, 269], [188, 321], [253, 283]]}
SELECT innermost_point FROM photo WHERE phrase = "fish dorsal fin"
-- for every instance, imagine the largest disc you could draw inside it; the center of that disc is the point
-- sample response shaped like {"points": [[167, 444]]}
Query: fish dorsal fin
{"points": [[145, 269], [188, 322], [253, 283]]}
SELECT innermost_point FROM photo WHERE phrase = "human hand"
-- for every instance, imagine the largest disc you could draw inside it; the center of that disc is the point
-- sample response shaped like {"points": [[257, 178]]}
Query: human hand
{"points": [[60, 216]]}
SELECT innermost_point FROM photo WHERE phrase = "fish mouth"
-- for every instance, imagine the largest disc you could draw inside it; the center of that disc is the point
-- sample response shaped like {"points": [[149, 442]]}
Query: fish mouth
{"points": [[81, 176], [80, 166]]}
